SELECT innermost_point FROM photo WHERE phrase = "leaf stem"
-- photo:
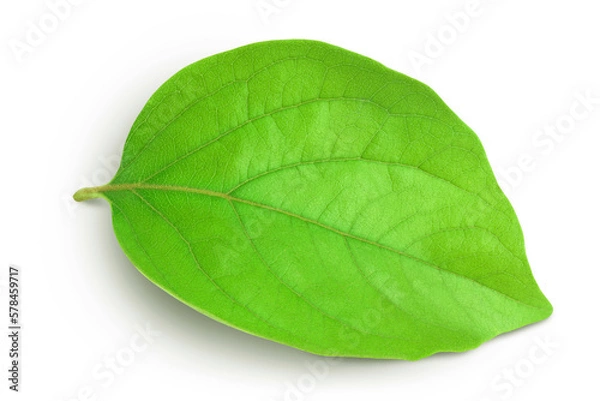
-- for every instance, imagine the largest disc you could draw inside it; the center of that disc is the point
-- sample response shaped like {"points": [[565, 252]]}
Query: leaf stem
{"points": [[89, 193]]}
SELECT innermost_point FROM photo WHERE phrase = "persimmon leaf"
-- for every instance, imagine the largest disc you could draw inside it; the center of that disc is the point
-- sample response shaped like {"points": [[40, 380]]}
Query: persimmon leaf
{"points": [[311, 196]]}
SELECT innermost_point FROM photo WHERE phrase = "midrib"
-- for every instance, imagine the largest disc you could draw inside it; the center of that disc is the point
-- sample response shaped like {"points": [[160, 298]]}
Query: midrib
{"points": [[88, 193], [228, 197]]}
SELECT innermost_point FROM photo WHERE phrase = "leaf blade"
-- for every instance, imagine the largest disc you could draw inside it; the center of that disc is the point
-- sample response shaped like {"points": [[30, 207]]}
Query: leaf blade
{"points": [[324, 158]]}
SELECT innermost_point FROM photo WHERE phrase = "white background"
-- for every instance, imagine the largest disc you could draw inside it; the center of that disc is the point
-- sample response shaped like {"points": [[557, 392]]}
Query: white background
{"points": [[515, 68]]}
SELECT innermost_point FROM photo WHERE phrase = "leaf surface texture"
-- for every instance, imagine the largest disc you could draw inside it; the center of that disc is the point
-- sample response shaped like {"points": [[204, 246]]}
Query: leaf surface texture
{"points": [[309, 195]]}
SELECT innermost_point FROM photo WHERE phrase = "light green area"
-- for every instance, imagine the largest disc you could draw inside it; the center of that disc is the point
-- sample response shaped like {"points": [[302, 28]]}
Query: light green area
{"points": [[311, 196]]}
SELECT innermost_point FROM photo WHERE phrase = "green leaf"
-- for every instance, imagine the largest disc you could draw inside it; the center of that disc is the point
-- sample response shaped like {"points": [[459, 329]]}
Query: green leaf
{"points": [[311, 196]]}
